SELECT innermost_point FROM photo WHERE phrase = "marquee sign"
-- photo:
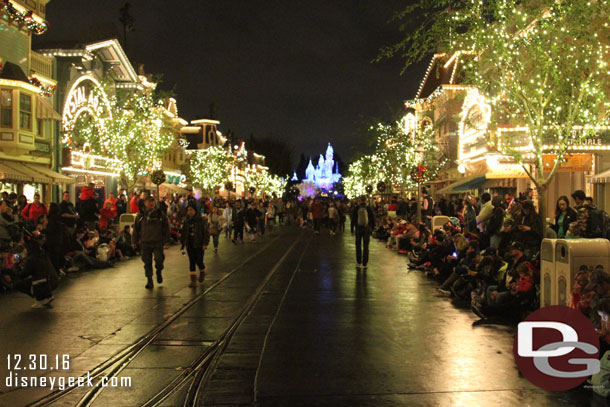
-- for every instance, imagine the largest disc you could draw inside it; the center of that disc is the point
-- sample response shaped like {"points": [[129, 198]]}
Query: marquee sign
{"points": [[476, 115], [86, 96]]}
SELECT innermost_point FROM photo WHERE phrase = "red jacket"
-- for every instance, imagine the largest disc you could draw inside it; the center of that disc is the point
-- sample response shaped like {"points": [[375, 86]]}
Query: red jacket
{"points": [[317, 210], [86, 193], [133, 205], [106, 215], [32, 212], [112, 201]]}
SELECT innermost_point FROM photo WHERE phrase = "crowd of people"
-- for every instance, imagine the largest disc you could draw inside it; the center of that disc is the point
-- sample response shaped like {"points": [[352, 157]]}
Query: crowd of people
{"points": [[487, 254]]}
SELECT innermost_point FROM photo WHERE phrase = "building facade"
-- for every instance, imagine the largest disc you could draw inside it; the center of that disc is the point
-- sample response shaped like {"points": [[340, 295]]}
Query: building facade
{"points": [[462, 119], [28, 121]]}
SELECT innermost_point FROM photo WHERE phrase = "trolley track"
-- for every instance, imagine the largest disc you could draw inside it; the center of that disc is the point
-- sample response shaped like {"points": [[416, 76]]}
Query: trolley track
{"points": [[118, 362]]}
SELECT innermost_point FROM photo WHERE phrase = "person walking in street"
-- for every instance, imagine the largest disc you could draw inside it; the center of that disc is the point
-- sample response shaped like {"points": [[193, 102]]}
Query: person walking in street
{"points": [[365, 223], [214, 227], [195, 238], [333, 218], [151, 232], [317, 213], [228, 215], [239, 222]]}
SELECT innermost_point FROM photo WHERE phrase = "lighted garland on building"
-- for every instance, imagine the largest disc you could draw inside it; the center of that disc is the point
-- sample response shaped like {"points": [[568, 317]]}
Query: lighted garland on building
{"points": [[45, 91], [24, 18]]}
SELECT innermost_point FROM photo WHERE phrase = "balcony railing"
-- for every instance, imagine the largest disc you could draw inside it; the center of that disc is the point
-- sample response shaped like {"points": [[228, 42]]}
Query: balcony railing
{"points": [[41, 65]]}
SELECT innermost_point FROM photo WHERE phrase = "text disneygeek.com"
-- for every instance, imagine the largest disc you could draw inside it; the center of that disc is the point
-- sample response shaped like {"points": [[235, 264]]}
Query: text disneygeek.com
{"points": [[61, 382]]}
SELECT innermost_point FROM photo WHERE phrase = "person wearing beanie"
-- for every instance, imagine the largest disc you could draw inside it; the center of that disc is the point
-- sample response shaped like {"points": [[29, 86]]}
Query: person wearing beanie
{"points": [[195, 238], [151, 232]]}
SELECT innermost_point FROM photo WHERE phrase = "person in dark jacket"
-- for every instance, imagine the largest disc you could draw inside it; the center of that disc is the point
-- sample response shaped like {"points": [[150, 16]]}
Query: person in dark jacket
{"points": [[239, 222], [9, 227], [195, 238], [564, 215], [57, 237], [151, 232], [364, 227]]}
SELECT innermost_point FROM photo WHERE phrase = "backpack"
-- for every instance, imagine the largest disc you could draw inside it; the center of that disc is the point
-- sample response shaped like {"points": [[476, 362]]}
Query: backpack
{"points": [[600, 382], [363, 216], [597, 223]]}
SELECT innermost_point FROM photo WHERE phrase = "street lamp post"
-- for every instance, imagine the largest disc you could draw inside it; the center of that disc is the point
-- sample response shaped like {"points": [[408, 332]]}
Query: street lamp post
{"points": [[419, 152]]}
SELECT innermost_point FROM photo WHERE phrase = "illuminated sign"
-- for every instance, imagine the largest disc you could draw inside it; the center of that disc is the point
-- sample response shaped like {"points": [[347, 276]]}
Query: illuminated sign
{"points": [[85, 96], [573, 163], [476, 115]]}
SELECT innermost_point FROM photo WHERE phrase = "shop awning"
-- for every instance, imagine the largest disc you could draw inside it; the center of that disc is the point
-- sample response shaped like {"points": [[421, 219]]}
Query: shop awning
{"points": [[34, 176], [500, 183], [56, 176], [472, 184], [601, 178], [450, 188], [11, 175], [174, 188], [45, 111]]}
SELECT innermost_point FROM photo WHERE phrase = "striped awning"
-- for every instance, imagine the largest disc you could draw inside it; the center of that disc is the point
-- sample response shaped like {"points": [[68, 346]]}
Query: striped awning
{"points": [[34, 176], [56, 176], [601, 178], [45, 111], [11, 175]]}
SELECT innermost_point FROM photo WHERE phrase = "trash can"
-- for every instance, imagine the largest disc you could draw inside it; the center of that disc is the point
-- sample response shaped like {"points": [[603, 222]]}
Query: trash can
{"points": [[548, 278], [127, 219], [439, 221], [570, 255]]}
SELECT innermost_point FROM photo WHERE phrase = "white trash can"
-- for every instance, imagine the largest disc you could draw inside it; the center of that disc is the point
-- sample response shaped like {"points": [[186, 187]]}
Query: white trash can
{"points": [[548, 275], [570, 255], [439, 221]]}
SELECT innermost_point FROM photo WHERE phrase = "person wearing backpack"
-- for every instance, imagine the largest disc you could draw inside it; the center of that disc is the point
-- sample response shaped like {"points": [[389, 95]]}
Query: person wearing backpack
{"points": [[365, 223], [597, 221], [33, 210]]}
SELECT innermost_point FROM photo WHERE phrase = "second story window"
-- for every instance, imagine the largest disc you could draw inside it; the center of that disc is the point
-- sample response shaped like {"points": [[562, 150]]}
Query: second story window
{"points": [[6, 108], [25, 111]]}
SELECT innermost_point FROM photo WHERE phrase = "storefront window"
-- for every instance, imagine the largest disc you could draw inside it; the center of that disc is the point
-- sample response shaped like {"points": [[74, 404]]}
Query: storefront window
{"points": [[25, 111], [6, 107]]}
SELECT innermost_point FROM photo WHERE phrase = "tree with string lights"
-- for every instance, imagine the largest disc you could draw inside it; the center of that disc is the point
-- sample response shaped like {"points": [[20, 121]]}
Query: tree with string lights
{"points": [[209, 168], [133, 131], [538, 64]]}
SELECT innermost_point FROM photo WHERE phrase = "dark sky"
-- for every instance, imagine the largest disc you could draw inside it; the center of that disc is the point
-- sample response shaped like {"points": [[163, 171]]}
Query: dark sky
{"points": [[296, 70]]}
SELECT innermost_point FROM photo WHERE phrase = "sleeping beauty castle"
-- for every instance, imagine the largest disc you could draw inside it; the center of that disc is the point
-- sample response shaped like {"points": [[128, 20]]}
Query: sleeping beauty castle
{"points": [[323, 175]]}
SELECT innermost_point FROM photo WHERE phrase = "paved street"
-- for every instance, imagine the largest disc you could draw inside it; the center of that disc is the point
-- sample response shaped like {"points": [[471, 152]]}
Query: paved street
{"points": [[284, 321]]}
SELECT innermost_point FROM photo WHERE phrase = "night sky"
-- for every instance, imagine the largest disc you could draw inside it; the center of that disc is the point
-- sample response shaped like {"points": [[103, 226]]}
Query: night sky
{"points": [[296, 70]]}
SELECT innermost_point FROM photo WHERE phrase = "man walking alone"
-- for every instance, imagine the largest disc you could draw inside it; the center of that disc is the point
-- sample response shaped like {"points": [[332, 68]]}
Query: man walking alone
{"points": [[364, 218], [151, 231]]}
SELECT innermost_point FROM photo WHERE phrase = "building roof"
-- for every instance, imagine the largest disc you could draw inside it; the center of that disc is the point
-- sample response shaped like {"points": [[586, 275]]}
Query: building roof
{"points": [[444, 69], [13, 72]]}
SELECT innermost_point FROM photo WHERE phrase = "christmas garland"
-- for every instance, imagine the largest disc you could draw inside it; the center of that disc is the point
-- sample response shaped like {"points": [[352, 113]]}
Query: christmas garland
{"points": [[158, 177], [24, 17], [45, 91]]}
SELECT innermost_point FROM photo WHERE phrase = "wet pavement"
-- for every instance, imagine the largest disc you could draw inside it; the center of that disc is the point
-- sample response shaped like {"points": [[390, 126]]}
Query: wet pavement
{"points": [[287, 320]]}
